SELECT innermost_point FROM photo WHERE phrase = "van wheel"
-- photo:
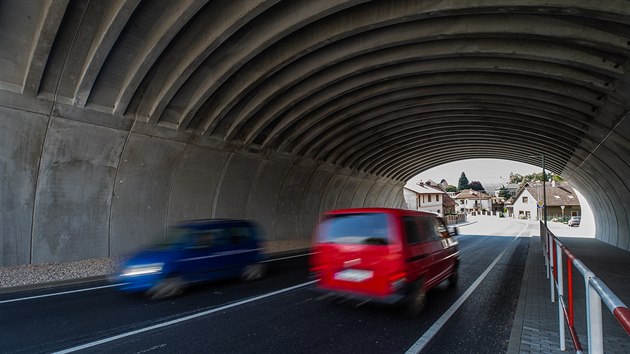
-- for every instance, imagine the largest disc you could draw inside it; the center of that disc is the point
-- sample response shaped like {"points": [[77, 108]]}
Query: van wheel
{"points": [[254, 272], [452, 279], [417, 301], [169, 287]]}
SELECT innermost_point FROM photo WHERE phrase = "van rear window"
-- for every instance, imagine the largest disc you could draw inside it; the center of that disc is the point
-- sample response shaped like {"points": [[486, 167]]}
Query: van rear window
{"points": [[365, 228]]}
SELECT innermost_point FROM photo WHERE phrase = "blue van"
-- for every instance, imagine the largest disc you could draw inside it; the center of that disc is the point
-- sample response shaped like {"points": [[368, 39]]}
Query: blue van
{"points": [[199, 251]]}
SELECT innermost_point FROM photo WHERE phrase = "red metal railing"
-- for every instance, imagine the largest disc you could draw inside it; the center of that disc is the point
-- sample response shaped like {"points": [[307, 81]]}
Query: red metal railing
{"points": [[596, 293]]}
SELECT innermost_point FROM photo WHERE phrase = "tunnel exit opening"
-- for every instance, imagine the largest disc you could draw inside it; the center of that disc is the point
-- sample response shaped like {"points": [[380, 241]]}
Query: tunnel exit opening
{"points": [[502, 189]]}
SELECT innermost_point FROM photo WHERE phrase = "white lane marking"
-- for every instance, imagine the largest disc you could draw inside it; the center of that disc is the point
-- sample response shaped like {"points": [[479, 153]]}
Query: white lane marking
{"points": [[220, 254], [283, 258], [112, 285], [182, 319], [60, 293], [432, 331]]}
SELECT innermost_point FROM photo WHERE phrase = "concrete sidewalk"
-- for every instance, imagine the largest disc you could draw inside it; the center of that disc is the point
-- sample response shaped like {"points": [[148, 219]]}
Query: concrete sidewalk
{"points": [[535, 328]]}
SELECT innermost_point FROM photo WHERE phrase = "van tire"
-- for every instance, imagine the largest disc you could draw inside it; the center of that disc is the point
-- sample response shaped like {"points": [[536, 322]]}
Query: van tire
{"points": [[416, 301], [452, 279], [166, 288], [254, 272]]}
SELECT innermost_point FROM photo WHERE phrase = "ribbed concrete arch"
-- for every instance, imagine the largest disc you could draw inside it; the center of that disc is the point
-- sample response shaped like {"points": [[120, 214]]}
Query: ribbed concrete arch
{"points": [[118, 118]]}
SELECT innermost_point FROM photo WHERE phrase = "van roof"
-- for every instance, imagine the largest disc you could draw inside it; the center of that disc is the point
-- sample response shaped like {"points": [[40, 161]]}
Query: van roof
{"points": [[209, 223], [380, 210]]}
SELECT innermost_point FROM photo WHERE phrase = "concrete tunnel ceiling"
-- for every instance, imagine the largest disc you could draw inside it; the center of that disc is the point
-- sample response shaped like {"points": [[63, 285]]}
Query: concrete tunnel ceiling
{"points": [[383, 89]]}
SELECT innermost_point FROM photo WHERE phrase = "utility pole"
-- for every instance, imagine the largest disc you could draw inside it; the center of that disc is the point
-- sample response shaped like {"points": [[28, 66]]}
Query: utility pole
{"points": [[544, 190]]}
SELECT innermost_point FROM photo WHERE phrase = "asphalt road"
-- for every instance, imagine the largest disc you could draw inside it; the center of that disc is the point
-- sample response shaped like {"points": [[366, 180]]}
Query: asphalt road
{"points": [[279, 314]]}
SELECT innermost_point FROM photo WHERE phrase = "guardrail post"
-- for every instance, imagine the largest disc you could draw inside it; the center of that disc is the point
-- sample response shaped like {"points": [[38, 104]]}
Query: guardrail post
{"points": [[594, 317], [547, 252], [552, 265], [560, 279]]}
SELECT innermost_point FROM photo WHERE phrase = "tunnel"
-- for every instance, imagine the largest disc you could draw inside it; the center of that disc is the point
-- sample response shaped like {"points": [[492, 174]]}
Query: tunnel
{"points": [[120, 118]]}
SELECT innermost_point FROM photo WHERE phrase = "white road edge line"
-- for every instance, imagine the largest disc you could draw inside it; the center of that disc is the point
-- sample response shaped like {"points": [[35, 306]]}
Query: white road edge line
{"points": [[432, 331], [182, 319], [61, 293], [288, 257], [112, 285]]}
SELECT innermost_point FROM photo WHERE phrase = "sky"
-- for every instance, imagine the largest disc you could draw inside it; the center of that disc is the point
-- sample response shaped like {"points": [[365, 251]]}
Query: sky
{"points": [[491, 172]]}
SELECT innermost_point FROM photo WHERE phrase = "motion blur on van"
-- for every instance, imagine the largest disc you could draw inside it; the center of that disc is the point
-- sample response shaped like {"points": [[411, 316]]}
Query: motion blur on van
{"points": [[390, 256], [198, 251]]}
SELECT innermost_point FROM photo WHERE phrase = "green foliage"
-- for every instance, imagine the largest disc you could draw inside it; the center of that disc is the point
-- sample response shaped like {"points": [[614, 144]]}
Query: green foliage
{"points": [[517, 178], [463, 182], [476, 185], [504, 193], [450, 188]]}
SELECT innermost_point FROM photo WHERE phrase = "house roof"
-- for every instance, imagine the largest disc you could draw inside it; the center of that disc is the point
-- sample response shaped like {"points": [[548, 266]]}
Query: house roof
{"points": [[557, 195], [509, 186], [425, 188], [472, 194], [448, 201]]}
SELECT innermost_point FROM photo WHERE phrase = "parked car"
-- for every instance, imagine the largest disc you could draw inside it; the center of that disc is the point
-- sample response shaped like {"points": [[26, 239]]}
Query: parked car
{"points": [[199, 251], [574, 221], [389, 256]]}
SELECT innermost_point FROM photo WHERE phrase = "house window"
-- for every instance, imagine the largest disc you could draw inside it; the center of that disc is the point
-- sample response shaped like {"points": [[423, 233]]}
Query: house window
{"points": [[525, 200], [429, 196]]}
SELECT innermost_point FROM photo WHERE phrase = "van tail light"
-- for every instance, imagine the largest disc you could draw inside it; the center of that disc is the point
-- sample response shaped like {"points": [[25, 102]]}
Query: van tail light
{"points": [[397, 281]]}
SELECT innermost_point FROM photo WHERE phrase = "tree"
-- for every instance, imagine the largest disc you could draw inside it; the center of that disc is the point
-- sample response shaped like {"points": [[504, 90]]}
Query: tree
{"points": [[476, 185], [515, 178], [504, 193], [463, 182], [450, 188]]}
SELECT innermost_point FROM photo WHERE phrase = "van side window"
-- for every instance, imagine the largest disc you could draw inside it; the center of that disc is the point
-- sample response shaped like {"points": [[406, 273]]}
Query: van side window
{"points": [[239, 235], [411, 230], [441, 228], [429, 228]]}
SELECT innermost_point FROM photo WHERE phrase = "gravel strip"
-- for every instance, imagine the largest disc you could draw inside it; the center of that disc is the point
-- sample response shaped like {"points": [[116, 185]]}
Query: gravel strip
{"points": [[42, 273]]}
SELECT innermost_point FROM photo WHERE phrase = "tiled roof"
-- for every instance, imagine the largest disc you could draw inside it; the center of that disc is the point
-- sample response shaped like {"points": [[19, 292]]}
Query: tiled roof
{"points": [[448, 201], [471, 194], [560, 194], [422, 188]]}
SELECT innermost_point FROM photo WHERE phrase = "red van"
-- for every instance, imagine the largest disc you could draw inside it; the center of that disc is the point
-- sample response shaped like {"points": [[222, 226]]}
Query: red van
{"points": [[384, 255]]}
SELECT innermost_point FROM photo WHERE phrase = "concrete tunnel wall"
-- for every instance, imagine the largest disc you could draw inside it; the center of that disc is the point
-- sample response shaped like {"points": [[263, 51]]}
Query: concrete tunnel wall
{"points": [[603, 176], [75, 190]]}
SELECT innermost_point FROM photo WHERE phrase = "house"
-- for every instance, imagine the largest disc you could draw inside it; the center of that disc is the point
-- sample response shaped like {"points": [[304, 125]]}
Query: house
{"points": [[498, 205], [425, 196], [561, 202], [472, 201], [512, 188], [448, 204]]}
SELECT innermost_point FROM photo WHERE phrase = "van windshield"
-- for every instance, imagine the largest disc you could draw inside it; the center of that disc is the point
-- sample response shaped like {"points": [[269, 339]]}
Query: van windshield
{"points": [[365, 228]]}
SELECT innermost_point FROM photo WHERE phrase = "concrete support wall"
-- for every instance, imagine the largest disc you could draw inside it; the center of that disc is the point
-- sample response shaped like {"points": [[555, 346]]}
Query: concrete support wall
{"points": [[603, 177], [76, 187]]}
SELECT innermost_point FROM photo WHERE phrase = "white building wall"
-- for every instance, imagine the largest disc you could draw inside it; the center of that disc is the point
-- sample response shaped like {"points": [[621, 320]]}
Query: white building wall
{"points": [[410, 199], [523, 207], [435, 205]]}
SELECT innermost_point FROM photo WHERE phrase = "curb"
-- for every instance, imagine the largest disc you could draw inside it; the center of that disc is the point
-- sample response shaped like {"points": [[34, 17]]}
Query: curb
{"points": [[52, 284], [97, 278], [514, 344]]}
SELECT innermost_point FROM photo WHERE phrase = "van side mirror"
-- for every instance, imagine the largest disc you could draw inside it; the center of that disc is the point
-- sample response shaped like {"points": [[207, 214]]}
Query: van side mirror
{"points": [[455, 231]]}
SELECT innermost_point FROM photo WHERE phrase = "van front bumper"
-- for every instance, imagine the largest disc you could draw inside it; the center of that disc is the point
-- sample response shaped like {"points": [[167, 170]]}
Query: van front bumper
{"points": [[390, 299]]}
